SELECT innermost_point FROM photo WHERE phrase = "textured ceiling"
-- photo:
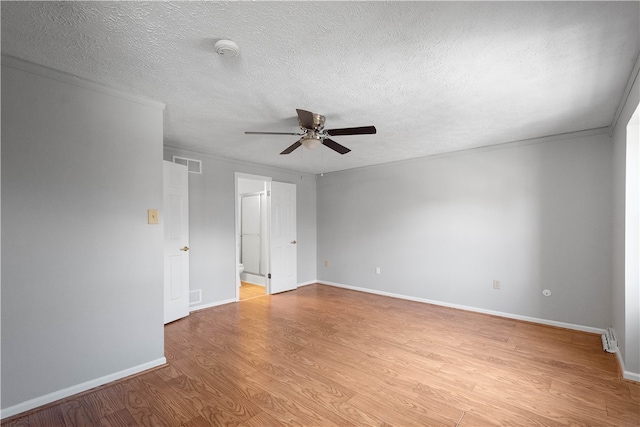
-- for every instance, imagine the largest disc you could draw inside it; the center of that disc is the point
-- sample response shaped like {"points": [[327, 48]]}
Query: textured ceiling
{"points": [[433, 77]]}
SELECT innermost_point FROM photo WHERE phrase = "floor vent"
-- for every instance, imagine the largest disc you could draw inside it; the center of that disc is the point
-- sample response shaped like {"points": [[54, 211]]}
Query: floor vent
{"points": [[193, 165], [609, 342], [195, 297]]}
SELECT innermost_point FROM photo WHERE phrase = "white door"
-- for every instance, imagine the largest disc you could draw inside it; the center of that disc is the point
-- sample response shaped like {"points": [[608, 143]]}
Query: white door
{"points": [[176, 241], [284, 259]]}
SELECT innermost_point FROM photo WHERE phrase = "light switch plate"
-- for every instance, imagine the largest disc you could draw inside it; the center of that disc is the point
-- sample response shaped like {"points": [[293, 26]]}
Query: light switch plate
{"points": [[152, 216]]}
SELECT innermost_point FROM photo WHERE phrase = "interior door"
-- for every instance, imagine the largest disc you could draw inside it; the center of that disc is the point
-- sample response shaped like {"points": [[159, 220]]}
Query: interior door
{"points": [[283, 244], [176, 241]]}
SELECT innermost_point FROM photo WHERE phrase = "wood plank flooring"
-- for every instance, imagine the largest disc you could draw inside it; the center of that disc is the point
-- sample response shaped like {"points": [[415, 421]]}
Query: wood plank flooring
{"points": [[322, 356], [249, 290]]}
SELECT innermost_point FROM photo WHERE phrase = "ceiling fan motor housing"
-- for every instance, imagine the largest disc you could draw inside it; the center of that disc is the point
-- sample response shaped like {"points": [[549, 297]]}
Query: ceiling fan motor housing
{"points": [[318, 123]]}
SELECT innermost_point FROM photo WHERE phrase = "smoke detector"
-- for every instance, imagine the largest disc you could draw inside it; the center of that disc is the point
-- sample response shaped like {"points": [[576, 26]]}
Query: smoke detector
{"points": [[227, 48]]}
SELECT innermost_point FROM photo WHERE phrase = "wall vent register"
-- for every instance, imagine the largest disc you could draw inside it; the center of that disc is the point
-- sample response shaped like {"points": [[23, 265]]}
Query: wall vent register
{"points": [[193, 165]]}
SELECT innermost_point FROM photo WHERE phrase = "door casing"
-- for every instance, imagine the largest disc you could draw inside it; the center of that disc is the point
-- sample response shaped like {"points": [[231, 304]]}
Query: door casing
{"points": [[267, 233]]}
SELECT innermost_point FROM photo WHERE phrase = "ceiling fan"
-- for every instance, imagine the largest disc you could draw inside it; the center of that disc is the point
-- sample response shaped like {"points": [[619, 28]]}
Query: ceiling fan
{"points": [[314, 134]]}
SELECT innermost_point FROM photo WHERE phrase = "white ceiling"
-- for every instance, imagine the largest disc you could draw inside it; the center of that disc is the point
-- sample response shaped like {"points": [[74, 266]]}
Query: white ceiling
{"points": [[432, 77]]}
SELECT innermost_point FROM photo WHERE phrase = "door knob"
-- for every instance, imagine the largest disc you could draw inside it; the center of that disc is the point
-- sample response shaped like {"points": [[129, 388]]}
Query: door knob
{"points": [[293, 242], [186, 248]]}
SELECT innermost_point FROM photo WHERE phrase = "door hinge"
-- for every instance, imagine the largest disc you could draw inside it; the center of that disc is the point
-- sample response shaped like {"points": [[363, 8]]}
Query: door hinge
{"points": [[268, 193], [269, 276]]}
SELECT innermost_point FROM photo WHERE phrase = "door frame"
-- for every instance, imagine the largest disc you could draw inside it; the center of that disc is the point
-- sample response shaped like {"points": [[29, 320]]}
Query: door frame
{"points": [[267, 234]]}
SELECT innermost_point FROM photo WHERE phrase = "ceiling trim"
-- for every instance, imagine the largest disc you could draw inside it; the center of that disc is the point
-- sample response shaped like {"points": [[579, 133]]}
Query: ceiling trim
{"points": [[498, 146], [625, 95], [172, 149], [51, 73]]}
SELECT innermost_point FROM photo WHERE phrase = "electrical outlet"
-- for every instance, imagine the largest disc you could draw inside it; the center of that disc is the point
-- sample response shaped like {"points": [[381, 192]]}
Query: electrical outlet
{"points": [[496, 284], [326, 263], [377, 270]]}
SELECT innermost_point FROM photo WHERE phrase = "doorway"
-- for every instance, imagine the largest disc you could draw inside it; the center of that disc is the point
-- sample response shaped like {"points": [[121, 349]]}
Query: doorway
{"points": [[252, 235], [269, 235], [253, 242]]}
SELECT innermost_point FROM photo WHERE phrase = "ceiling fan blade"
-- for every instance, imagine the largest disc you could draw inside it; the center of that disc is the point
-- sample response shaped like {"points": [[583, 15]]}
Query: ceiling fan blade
{"points": [[362, 130], [305, 118], [292, 147], [335, 146], [273, 133]]}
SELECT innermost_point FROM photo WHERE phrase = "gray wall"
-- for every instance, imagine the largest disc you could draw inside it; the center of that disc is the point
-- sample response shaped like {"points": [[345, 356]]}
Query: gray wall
{"points": [[82, 283], [443, 228], [625, 293], [212, 237]]}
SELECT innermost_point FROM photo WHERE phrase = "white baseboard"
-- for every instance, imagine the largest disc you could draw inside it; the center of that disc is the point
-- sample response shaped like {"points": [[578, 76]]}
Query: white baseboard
{"points": [[78, 388], [254, 283], [473, 309], [254, 279], [213, 304], [312, 282], [633, 376]]}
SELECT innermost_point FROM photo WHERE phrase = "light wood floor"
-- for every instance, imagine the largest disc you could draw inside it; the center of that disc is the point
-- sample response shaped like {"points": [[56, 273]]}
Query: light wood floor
{"points": [[324, 356], [249, 290]]}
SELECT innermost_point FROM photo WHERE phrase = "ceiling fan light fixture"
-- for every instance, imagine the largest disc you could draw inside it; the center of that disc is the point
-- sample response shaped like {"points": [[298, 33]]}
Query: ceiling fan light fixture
{"points": [[227, 48], [311, 142]]}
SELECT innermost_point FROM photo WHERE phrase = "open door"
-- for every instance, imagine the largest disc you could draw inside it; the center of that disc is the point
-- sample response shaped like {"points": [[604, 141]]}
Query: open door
{"points": [[176, 241], [283, 244]]}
